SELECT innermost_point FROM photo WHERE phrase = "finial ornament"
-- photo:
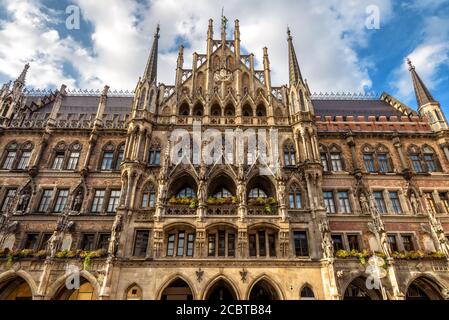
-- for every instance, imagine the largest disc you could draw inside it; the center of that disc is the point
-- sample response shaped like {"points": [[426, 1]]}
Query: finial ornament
{"points": [[410, 65], [288, 32], [224, 20], [158, 28]]}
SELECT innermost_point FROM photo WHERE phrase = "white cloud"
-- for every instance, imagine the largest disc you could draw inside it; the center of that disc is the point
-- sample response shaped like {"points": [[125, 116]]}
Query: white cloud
{"points": [[326, 34]]}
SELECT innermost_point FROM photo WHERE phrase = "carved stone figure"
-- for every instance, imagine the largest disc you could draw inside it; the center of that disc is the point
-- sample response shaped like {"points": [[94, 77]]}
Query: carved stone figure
{"points": [[414, 203], [23, 201], [281, 192], [364, 204], [115, 234], [78, 201], [53, 243]]}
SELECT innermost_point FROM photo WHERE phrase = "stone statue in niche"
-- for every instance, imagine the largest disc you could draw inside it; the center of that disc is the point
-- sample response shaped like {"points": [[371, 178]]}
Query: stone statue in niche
{"points": [[115, 233], [24, 199], [414, 203], [78, 201], [364, 204]]}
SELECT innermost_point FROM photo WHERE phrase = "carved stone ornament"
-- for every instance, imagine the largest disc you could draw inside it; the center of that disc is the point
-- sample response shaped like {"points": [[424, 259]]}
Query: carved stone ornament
{"points": [[223, 75]]}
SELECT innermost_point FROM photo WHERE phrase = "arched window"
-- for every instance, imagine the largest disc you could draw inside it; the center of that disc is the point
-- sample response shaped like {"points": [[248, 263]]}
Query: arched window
{"points": [[289, 154], [184, 109], [148, 197], [415, 159], [257, 193], [108, 156], [215, 110], [229, 110], [324, 158], [301, 101], [292, 103], [120, 156], [336, 159], [247, 111], [368, 158], [186, 192], [221, 241], [143, 96], [384, 159], [222, 193], [307, 293], [134, 293], [262, 242], [294, 198], [6, 108], [74, 155], [10, 155], [180, 242], [198, 110], [261, 111], [154, 156], [430, 159], [59, 156], [245, 83]]}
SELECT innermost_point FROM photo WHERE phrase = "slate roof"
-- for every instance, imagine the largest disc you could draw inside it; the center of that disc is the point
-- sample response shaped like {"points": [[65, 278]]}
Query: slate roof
{"points": [[353, 108]]}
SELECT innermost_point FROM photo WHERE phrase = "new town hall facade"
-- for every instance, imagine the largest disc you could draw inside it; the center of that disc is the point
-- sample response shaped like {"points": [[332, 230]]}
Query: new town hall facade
{"points": [[87, 189]]}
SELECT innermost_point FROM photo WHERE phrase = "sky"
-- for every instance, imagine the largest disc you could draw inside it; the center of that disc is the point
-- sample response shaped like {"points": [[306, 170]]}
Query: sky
{"points": [[342, 46]]}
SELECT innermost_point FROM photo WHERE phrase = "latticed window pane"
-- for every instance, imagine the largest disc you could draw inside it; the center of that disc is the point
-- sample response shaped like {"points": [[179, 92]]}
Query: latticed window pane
{"points": [[343, 200], [73, 160], [416, 163], [257, 193], [394, 198], [61, 200], [181, 242], [106, 164], [336, 162], [58, 161], [329, 201], [430, 162], [170, 245], [186, 193], [384, 164], [407, 242], [24, 160], [323, 158], [301, 244], [45, 200], [9, 160], [369, 162], [120, 156], [114, 199], [97, 204], [380, 201], [10, 194]]}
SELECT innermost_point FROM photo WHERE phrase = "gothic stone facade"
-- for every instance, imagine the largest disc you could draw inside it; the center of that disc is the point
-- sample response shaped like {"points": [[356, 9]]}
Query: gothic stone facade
{"points": [[85, 181]]}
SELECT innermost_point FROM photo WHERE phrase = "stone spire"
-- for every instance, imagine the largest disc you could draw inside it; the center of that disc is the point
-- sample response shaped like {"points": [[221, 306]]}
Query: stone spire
{"points": [[21, 79], [294, 72], [151, 68], [423, 95]]}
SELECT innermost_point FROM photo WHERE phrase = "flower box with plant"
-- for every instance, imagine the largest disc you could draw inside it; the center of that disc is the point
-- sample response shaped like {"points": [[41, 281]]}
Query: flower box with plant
{"points": [[186, 201], [41, 254], [4, 253], [360, 255], [221, 200], [85, 256]]}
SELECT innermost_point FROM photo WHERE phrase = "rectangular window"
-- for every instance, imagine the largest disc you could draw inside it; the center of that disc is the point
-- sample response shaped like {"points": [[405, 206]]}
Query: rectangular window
{"points": [[58, 160], [45, 200], [272, 245], [416, 163], [384, 163], [103, 242], [294, 200], [73, 160], [31, 241], [114, 200], [430, 162], [430, 202], [324, 163], [343, 201], [61, 200], [252, 245], [211, 245], [407, 242], [336, 162], [337, 241], [88, 243], [120, 156], [353, 242], [149, 199], [97, 204], [369, 162], [141, 243], [170, 245], [380, 201], [329, 202], [190, 244], [394, 198], [393, 243], [231, 244], [9, 160], [221, 243], [301, 243], [181, 241], [10, 194], [444, 201], [24, 160], [106, 163], [262, 244]]}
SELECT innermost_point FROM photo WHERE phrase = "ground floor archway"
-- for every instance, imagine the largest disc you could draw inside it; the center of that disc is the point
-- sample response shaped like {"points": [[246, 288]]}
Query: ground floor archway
{"points": [[357, 290], [178, 289], [85, 292], [221, 291], [423, 288], [15, 289], [263, 291]]}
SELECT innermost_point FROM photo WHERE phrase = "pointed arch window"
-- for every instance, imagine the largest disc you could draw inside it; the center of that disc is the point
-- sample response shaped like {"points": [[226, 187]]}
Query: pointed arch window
{"points": [[154, 156], [25, 155], [59, 156], [307, 294], [294, 198], [187, 192], [120, 156], [184, 110], [430, 159], [289, 154], [148, 198], [257, 193], [10, 155]]}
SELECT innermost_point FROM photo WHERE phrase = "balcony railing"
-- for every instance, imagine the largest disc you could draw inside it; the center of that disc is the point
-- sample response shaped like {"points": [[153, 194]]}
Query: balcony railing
{"points": [[221, 210], [180, 210], [254, 210]]}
